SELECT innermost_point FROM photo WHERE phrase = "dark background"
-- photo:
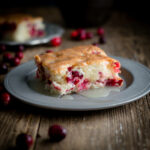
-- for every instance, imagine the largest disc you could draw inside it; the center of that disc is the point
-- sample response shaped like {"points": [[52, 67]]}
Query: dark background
{"points": [[87, 12]]}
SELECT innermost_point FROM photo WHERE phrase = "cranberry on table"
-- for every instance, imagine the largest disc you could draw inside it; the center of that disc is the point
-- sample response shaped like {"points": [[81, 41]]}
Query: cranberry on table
{"points": [[2, 48], [57, 133], [49, 51], [15, 61], [95, 44], [19, 55], [21, 48], [3, 68], [56, 41], [82, 36], [100, 31], [81, 31], [7, 57], [102, 40], [89, 35], [5, 98], [74, 35], [24, 141]]}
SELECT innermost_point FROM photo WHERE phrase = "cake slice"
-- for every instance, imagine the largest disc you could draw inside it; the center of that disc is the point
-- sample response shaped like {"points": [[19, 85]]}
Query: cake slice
{"points": [[21, 27], [77, 69]]}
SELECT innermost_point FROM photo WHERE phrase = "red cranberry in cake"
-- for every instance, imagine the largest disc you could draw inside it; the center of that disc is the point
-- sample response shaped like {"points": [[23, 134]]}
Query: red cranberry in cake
{"points": [[21, 27], [77, 69]]}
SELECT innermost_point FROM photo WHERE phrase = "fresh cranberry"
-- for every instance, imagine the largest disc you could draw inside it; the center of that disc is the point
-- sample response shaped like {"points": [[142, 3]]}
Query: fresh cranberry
{"points": [[89, 35], [81, 31], [74, 34], [15, 61], [3, 68], [2, 48], [102, 40], [7, 57], [49, 51], [56, 41], [82, 36], [95, 44], [5, 98], [19, 55], [20, 48], [100, 31], [24, 141], [57, 133]]}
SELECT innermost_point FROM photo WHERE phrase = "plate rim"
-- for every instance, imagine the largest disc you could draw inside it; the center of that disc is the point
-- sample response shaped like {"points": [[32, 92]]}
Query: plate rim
{"points": [[134, 97]]}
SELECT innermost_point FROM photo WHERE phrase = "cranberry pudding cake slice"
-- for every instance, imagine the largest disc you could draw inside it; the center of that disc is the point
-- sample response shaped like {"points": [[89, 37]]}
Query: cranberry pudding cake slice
{"points": [[21, 27], [77, 69]]}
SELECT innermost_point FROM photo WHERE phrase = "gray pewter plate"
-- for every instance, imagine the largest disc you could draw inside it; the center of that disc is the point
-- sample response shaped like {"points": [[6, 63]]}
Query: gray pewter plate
{"points": [[51, 31], [136, 84]]}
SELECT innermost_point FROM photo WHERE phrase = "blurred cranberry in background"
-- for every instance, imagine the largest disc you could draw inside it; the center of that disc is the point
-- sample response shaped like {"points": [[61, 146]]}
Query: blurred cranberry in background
{"points": [[56, 41], [2, 48]]}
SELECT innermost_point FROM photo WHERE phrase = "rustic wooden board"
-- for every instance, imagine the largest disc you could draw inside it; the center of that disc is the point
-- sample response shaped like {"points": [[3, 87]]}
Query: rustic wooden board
{"points": [[122, 128]]}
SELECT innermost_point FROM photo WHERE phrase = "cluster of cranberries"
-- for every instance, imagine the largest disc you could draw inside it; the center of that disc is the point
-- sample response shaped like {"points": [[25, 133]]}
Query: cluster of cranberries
{"points": [[8, 59], [82, 34], [56, 133]]}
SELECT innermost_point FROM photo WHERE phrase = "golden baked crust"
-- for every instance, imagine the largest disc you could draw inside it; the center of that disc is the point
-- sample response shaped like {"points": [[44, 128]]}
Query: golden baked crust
{"points": [[58, 61], [17, 18]]}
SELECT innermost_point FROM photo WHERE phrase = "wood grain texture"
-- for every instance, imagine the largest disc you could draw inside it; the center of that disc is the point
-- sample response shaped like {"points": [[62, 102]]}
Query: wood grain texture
{"points": [[122, 128]]}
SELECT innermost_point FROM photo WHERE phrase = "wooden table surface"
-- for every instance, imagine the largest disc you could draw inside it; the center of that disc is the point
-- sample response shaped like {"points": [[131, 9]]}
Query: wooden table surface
{"points": [[123, 128]]}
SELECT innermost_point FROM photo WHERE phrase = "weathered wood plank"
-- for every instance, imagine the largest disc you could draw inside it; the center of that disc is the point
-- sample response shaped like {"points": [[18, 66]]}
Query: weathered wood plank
{"points": [[16, 120]]}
